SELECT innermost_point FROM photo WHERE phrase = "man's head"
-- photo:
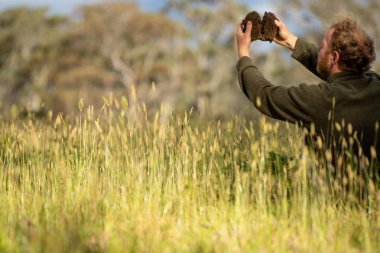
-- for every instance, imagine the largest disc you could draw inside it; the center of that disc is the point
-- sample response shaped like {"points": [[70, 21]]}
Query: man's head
{"points": [[346, 47]]}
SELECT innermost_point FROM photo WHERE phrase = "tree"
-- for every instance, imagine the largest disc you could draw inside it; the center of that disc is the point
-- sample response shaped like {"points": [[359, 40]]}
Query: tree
{"points": [[107, 47], [26, 53], [131, 42], [212, 51]]}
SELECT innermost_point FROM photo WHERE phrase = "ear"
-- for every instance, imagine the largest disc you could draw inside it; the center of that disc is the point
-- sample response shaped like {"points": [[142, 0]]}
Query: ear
{"points": [[335, 57]]}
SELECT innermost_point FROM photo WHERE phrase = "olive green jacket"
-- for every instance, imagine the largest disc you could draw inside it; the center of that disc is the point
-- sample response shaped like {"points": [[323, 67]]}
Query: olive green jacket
{"points": [[356, 98]]}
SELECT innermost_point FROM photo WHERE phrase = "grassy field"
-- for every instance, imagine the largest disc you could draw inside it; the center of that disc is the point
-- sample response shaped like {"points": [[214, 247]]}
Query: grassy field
{"points": [[125, 180]]}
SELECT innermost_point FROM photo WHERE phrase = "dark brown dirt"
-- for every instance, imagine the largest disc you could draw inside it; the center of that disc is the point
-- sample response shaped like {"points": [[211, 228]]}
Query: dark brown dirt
{"points": [[269, 28], [255, 18], [265, 29]]}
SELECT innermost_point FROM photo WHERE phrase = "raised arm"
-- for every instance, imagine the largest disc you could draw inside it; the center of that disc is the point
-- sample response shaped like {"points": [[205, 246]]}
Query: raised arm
{"points": [[293, 104], [304, 52], [284, 37], [302, 103], [307, 54]]}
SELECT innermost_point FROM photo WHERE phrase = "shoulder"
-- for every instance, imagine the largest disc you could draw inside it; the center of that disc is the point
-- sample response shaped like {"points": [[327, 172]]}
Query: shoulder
{"points": [[371, 73]]}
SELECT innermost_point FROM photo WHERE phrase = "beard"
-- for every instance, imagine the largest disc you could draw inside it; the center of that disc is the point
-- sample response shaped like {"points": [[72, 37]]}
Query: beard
{"points": [[324, 67]]}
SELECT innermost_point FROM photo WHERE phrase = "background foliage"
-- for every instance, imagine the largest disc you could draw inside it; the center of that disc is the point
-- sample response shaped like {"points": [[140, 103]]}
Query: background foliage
{"points": [[185, 52], [135, 177]]}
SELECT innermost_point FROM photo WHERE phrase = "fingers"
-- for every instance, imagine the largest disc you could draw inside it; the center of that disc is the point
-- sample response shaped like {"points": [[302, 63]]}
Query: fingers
{"points": [[276, 16], [249, 27], [280, 42], [279, 24], [239, 30]]}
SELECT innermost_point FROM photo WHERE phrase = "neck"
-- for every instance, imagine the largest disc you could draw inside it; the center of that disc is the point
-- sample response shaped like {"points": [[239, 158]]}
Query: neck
{"points": [[335, 69]]}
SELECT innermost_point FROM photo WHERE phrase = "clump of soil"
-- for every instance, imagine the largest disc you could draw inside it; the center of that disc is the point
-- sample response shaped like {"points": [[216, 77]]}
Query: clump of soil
{"points": [[269, 28], [255, 18], [264, 29]]}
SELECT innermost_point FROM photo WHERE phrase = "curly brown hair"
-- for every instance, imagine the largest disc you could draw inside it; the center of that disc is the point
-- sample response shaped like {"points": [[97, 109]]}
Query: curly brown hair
{"points": [[354, 45]]}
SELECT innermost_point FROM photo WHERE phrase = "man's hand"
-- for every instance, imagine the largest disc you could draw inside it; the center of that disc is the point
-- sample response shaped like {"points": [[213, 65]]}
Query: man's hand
{"points": [[284, 37], [243, 39]]}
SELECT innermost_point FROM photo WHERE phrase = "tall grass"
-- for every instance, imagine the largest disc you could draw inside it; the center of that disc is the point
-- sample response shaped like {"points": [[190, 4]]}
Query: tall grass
{"points": [[129, 180]]}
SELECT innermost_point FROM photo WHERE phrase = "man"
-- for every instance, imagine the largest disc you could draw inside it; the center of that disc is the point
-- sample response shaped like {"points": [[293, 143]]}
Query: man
{"points": [[347, 101]]}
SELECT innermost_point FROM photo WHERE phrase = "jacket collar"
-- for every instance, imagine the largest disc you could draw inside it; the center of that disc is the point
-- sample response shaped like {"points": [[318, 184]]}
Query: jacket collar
{"points": [[342, 75]]}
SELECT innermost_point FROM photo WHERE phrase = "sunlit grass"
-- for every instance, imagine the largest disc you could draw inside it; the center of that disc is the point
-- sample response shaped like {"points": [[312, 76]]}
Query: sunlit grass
{"points": [[128, 180]]}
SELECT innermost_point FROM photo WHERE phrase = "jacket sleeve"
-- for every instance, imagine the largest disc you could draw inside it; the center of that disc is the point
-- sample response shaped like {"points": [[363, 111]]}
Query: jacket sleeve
{"points": [[293, 104], [307, 54]]}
